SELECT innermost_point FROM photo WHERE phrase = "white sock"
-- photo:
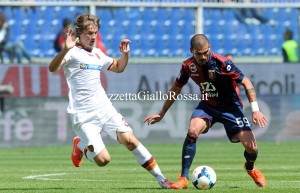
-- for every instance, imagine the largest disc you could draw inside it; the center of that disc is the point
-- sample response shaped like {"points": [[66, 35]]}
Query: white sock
{"points": [[90, 156], [147, 161], [81, 146]]}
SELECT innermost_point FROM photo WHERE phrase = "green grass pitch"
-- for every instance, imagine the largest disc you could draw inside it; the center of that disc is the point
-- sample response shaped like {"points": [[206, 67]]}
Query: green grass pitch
{"points": [[49, 169]]}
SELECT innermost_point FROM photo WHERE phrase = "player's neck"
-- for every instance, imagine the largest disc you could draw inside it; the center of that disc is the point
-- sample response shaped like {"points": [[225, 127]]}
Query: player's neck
{"points": [[80, 46]]}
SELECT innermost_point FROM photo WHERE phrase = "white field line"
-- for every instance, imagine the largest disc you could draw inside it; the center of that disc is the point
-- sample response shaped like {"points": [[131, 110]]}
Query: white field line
{"points": [[47, 177]]}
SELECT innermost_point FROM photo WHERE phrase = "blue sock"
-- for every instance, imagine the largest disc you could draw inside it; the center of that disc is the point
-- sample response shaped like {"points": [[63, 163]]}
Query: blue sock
{"points": [[188, 154], [250, 159]]}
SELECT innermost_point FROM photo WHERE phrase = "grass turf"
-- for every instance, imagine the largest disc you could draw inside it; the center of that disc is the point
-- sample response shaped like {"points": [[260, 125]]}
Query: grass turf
{"points": [[49, 169]]}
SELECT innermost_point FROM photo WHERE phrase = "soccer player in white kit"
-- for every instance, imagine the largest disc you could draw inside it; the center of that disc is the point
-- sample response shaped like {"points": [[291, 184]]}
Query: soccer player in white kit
{"points": [[90, 109]]}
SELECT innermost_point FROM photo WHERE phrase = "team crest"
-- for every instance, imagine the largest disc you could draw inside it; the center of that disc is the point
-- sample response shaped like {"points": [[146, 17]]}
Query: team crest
{"points": [[193, 67], [211, 74]]}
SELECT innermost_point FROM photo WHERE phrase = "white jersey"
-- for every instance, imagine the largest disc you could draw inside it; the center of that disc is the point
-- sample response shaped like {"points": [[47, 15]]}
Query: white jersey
{"points": [[82, 72]]}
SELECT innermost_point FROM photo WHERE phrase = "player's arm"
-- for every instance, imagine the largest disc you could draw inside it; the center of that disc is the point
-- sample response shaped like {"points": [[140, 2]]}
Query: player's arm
{"points": [[257, 116], [120, 64], [58, 61], [249, 88], [172, 95]]}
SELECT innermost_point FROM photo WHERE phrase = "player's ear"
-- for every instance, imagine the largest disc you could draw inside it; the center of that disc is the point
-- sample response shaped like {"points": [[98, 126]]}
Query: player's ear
{"points": [[191, 50]]}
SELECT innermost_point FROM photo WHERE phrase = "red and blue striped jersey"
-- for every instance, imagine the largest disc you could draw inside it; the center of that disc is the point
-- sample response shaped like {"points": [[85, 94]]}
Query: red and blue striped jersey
{"points": [[217, 80]]}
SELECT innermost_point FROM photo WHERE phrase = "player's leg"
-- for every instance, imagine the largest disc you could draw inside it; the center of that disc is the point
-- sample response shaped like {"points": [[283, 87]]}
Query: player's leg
{"points": [[78, 146], [88, 141], [197, 126], [119, 130], [238, 129], [248, 140], [143, 156], [93, 149], [97, 152]]}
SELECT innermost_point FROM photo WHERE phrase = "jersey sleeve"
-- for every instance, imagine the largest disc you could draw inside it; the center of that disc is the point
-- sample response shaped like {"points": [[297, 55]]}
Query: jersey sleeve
{"points": [[182, 78], [107, 60], [233, 71], [68, 56]]}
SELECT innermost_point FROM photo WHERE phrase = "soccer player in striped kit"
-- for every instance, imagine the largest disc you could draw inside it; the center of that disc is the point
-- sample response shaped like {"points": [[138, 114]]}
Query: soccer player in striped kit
{"points": [[217, 77]]}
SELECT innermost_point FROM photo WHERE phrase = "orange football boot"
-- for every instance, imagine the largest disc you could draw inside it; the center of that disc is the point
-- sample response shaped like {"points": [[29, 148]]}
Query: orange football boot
{"points": [[258, 177], [182, 183], [77, 154]]}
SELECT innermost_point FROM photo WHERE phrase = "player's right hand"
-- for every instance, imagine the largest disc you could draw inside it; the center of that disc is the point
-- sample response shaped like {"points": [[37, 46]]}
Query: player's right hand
{"points": [[153, 119], [70, 40]]}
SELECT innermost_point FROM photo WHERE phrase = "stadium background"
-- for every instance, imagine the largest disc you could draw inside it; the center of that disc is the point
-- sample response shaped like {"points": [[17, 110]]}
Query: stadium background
{"points": [[35, 114]]}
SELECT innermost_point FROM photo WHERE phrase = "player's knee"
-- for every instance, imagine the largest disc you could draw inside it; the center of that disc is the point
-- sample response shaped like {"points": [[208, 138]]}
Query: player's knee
{"points": [[128, 140], [198, 126], [102, 163], [102, 160], [251, 148], [131, 144], [194, 131]]}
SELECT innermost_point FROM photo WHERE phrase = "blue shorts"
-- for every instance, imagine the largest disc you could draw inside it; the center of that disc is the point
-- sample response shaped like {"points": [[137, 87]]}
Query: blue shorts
{"points": [[233, 119]]}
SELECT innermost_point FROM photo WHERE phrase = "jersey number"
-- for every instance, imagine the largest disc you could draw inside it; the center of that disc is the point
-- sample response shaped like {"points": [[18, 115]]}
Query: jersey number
{"points": [[242, 121]]}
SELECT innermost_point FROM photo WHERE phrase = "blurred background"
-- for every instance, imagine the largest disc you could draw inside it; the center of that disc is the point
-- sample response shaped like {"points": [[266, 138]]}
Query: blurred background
{"points": [[252, 32]]}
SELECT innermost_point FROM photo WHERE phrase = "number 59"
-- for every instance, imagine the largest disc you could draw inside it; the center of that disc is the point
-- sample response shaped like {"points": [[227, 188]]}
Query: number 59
{"points": [[242, 121]]}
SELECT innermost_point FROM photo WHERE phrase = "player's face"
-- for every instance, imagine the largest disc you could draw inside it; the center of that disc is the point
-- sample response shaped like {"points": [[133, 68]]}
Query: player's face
{"points": [[88, 37], [201, 54]]}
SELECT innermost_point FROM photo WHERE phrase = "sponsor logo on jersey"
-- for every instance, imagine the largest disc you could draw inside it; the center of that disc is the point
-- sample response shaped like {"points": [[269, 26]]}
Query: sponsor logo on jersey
{"points": [[193, 67], [90, 66], [208, 89]]}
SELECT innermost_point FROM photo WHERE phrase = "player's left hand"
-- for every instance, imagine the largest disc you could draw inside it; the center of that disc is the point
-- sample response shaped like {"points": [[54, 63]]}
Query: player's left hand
{"points": [[259, 119], [153, 119], [124, 46]]}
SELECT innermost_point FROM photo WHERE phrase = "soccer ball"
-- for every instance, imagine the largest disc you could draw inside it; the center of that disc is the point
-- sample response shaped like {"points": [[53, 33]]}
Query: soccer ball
{"points": [[204, 177]]}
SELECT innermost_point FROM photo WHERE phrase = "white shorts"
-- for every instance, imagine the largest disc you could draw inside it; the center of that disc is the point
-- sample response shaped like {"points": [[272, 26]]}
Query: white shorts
{"points": [[89, 125]]}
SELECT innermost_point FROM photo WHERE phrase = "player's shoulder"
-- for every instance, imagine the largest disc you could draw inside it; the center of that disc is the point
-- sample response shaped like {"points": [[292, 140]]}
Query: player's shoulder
{"points": [[188, 61], [221, 61], [219, 57]]}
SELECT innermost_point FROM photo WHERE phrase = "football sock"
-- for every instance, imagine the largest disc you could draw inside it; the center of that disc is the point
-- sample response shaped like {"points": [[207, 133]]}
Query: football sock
{"points": [[90, 156], [250, 159], [81, 146], [188, 154], [147, 161]]}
